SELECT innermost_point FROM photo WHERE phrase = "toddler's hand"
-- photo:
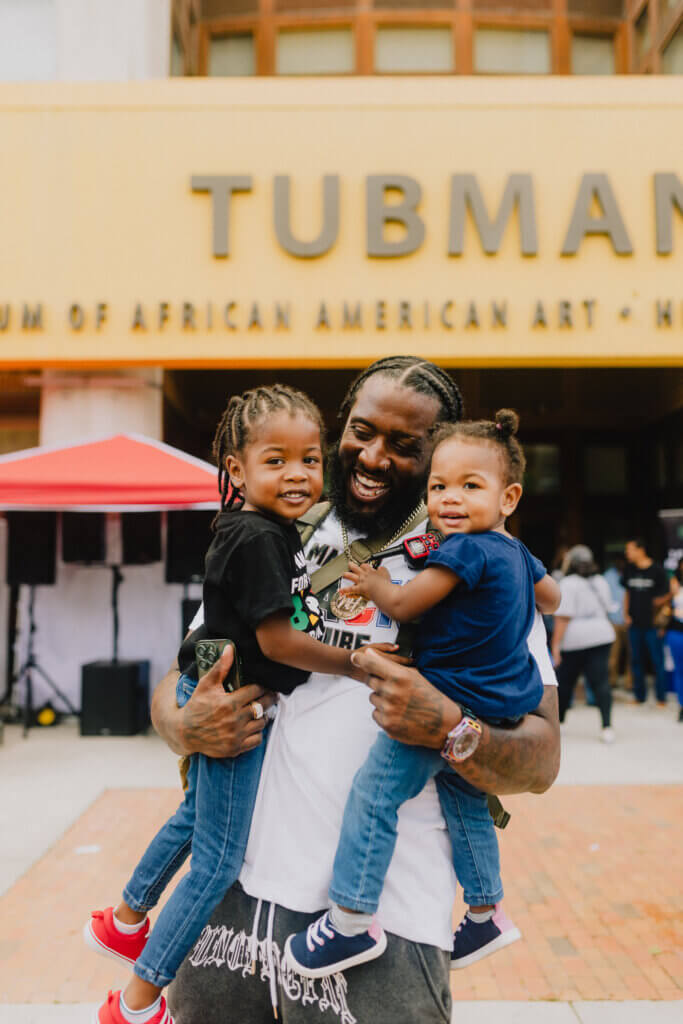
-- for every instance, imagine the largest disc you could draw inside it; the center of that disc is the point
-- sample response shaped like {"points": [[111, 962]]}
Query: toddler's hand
{"points": [[388, 650], [362, 578]]}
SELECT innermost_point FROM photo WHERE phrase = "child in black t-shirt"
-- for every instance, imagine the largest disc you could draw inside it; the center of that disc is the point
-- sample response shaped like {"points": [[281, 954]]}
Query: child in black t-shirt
{"points": [[256, 592]]}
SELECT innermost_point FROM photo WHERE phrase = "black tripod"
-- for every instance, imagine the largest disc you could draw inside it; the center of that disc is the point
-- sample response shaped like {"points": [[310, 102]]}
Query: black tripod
{"points": [[31, 665]]}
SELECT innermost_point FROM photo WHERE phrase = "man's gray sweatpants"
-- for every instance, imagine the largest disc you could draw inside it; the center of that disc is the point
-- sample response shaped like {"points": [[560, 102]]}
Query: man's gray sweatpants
{"points": [[215, 984]]}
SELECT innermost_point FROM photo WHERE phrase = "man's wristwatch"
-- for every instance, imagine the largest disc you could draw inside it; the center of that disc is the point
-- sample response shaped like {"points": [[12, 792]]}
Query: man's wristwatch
{"points": [[462, 740]]}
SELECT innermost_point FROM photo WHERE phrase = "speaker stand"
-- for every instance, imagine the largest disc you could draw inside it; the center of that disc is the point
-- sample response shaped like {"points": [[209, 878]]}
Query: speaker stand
{"points": [[116, 581], [31, 665]]}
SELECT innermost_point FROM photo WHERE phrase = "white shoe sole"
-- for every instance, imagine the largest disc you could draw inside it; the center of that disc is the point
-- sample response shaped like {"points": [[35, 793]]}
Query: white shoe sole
{"points": [[343, 965], [95, 1019], [503, 940], [92, 942]]}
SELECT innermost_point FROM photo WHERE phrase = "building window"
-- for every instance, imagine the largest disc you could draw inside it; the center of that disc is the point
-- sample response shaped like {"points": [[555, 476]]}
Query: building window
{"points": [[511, 51], [542, 475], [315, 52], [641, 33], [672, 56], [661, 466], [232, 55], [592, 55], [678, 463], [605, 469], [28, 41], [177, 69], [408, 50]]}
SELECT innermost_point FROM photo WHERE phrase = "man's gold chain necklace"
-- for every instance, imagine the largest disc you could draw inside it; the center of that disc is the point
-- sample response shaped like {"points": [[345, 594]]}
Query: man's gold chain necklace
{"points": [[348, 606]]}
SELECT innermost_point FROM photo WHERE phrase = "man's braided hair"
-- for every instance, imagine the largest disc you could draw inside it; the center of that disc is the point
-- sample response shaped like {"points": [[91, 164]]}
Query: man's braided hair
{"points": [[243, 415], [418, 375]]}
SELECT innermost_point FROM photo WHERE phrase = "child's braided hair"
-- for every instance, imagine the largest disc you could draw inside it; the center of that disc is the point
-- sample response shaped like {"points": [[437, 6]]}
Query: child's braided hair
{"points": [[501, 432], [243, 416]]}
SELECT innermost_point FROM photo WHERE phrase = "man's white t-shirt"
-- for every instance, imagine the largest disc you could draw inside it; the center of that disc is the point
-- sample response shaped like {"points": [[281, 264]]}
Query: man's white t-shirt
{"points": [[321, 736]]}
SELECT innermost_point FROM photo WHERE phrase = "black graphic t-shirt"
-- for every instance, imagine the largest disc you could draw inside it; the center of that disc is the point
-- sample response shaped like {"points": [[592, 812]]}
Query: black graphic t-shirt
{"points": [[643, 585], [255, 566]]}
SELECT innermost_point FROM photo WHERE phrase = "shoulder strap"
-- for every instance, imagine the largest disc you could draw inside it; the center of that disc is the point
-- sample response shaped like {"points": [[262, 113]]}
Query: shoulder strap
{"points": [[598, 595], [361, 550], [310, 520]]}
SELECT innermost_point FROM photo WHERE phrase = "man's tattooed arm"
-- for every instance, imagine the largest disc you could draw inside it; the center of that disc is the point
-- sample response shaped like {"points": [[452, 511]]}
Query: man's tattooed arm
{"points": [[410, 709], [525, 759]]}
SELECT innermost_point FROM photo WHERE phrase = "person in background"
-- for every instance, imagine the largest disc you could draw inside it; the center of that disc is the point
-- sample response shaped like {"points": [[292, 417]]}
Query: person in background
{"points": [[619, 655], [674, 633], [583, 634], [647, 590]]}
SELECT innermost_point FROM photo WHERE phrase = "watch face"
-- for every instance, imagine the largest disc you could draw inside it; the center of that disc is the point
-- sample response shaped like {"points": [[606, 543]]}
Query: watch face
{"points": [[464, 739], [465, 744]]}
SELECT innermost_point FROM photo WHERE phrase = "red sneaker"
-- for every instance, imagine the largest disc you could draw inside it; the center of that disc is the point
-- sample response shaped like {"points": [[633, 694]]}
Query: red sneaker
{"points": [[102, 935], [110, 1012]]}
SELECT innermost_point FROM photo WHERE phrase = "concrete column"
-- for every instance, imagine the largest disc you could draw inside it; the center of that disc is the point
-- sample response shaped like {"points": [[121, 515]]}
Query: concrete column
{"points": [[98, 40], [80, 406]]}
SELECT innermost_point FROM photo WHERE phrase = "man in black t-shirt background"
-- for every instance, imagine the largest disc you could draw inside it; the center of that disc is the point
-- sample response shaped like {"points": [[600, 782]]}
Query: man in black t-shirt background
{"points": [[647, 589]]}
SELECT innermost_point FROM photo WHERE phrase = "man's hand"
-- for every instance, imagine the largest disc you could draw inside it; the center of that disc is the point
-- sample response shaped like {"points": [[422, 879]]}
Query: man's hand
{"points": [[407, 706], [213, 722], [409, 709]]}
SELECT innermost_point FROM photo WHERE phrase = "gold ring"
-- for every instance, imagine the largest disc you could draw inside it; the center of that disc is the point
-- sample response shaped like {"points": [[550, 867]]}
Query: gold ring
{"points": [[257, 710]]}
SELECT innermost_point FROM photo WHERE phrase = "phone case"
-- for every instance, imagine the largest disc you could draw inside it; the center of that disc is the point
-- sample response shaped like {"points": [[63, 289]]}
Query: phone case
{"points": [[207, 653]]}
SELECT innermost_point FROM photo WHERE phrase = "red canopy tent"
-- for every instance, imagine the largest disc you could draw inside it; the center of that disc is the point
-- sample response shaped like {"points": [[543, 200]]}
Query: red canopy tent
{"points": [[124, 473]]}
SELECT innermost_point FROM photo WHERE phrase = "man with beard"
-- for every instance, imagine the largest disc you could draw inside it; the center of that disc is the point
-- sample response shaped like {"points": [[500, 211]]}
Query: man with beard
{"points": [[322, 735]]}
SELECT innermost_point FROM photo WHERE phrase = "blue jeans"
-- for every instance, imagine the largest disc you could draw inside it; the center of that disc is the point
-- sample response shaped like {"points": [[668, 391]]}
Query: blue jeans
{"points": [[640, 640], [213, 823], [392, 774], [674, 638]]}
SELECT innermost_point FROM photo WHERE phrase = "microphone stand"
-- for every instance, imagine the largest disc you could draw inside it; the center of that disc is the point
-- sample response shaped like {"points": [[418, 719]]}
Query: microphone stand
{"points": [[31, 665]]}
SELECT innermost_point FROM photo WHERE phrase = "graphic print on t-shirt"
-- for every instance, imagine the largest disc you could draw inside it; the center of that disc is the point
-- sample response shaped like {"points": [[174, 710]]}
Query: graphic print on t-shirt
{"points": [[307, 616], [345, 633]]}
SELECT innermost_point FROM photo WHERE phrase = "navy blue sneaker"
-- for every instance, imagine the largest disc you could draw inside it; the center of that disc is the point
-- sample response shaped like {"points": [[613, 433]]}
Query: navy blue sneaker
{"points": [[473, 941], [321, 950]]}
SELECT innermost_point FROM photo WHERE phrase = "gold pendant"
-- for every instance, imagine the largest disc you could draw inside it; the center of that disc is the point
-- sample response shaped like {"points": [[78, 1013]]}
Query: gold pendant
{"points": [[347, 606]]}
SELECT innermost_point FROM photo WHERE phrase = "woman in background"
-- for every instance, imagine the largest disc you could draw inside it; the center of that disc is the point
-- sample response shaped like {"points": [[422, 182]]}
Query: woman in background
{"points": [[583, 634]]}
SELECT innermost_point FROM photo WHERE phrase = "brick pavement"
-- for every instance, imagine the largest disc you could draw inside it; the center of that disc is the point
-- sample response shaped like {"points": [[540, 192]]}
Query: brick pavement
{"points": [[592, 876]]}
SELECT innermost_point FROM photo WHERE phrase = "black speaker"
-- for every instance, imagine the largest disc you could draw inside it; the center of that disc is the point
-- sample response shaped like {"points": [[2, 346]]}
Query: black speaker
{"points": [[31, 547], [189, 535], [114, 698], [141, 537], [83, 537]]}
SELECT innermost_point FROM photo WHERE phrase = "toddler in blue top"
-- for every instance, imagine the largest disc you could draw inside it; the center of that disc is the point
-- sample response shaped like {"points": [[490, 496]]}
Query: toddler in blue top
{"points": [[477, 597]]}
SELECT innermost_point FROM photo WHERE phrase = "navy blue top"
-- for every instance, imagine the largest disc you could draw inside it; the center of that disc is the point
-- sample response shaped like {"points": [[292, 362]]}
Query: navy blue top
{"points": [[473, 645]]}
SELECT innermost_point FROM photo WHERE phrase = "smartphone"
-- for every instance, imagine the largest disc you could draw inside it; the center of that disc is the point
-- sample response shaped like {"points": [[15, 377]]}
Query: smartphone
{"points": [[207, 653]]}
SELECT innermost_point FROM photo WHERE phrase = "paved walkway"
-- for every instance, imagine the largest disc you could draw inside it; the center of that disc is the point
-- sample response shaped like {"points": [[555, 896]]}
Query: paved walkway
{"points": [[592, 875]]}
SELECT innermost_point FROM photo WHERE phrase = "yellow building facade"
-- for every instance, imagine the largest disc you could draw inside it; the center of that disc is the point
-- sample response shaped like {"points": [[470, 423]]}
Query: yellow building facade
{"points": [[189, 238], [326, 223]]}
